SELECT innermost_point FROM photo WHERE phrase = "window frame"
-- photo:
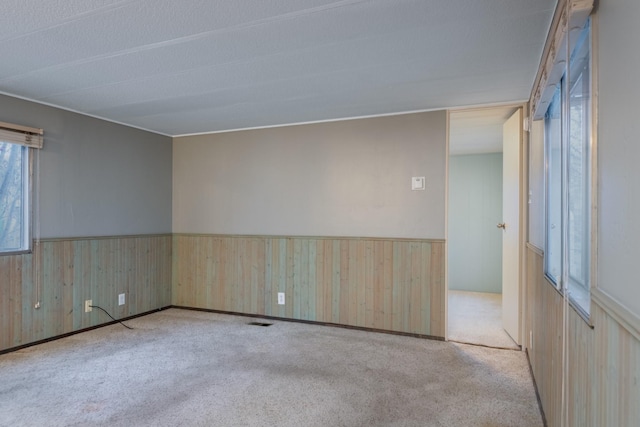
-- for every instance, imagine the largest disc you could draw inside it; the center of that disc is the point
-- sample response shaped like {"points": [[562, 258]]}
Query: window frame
{"points": [[26, 237], [557, 102], [579, 294]]}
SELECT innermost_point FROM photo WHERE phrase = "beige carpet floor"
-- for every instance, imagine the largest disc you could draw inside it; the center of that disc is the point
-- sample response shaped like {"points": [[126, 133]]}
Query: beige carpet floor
{"points": [[180, 367], [476, 318]]}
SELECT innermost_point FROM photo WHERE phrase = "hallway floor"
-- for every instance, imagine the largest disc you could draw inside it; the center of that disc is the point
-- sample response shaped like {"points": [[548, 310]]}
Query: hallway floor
{"points": [[476, 318]]}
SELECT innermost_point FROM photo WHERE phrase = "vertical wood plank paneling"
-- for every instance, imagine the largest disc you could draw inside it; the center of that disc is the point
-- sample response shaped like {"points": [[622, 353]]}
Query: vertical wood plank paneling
{"points": [[603, 377], [212, 251], [296, 282], [327, 283], [251, 275], [369, 280], [223, 265], [268, 277], [335, 281], [343, 283], [426, 296], [82, 262], [361, 280], [259, 275], [352, 291], [230, 274], [396, 310], [73, 271], [311, 279], [242, 283], [376, 283], [14, 301], [282, 275], [320, 281], [208, 270], [405, 285], [275, 276], [198, 272], [238, 291], [10, 300], [387, 297], [247, 298], [304, 279], [437, 321], [123, 286], [67, 305], [28, 294], [289, 291], [416, 285]]}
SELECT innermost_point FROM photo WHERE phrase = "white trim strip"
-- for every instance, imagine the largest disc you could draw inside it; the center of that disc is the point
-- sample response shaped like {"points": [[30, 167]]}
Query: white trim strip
{"points": [[517, 103], [71, 110], [619, 312]]}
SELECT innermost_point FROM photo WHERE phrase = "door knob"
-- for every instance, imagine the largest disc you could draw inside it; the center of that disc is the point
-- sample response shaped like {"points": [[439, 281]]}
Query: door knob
{"points": [[502, 225]]}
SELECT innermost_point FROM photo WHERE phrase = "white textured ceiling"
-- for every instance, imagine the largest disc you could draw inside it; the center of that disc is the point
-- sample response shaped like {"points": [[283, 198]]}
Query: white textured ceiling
{"points": [[477, 130], [193, 66]]}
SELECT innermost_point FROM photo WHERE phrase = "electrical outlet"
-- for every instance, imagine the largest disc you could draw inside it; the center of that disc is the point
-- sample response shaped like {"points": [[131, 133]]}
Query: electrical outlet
{"points": [[280, 298], [121, 299], [87, 306]]}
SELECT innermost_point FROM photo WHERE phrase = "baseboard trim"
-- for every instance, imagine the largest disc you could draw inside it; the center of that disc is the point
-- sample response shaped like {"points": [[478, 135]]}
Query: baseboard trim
{"points": [[79, 331], [313, 322], [259, 316], [486, 346]]}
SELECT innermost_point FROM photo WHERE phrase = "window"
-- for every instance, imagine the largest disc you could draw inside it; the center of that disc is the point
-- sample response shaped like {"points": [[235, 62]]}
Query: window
{"points": [[568, 178], [16, 144], [553, 155], [14, 197]]}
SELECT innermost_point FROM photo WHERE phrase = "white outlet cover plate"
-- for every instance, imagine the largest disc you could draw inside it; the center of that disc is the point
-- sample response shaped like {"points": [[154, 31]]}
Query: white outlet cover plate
{"points": [[121, 299], [418, 183]]}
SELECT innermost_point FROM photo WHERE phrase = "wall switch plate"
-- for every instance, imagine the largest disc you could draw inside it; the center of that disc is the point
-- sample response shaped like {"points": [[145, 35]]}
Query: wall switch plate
{"points": [[418, 183], [280, 298], [87, 306], [121, 299]]}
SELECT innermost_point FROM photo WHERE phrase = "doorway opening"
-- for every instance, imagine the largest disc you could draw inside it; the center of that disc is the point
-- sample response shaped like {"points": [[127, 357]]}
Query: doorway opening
{"points": [[476, 212]]}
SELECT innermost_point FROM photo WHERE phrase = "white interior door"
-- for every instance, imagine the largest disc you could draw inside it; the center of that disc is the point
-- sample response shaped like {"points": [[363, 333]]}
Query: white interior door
{"points": [[511, 143]]}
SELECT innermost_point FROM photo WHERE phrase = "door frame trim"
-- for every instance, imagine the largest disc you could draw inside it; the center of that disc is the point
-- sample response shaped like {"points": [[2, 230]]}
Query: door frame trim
{"points": [[522, 206]]}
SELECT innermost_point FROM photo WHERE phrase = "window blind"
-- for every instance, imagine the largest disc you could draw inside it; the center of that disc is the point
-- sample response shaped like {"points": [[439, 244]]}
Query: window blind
{"points": [[22, 135], [554, 64]]}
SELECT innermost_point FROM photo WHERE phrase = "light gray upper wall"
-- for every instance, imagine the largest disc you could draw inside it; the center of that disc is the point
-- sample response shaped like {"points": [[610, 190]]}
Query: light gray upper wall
{"points": [[619, 151], [98, 178], [475, 207], [347, 178]]}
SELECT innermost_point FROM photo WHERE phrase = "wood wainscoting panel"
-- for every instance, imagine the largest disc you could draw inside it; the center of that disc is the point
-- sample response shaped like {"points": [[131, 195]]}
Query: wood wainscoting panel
{"points": [[603, 374], [544, 311], [386, 284], [71, 271]]}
